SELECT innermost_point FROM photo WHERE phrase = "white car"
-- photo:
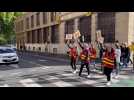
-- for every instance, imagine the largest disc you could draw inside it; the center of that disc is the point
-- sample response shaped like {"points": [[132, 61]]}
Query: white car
{"points": [[8, 55]]}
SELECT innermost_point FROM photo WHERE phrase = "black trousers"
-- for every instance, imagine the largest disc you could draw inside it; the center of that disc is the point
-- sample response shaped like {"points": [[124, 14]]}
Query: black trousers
{"points": [[107, 72], [82, 66], [73, 63]]}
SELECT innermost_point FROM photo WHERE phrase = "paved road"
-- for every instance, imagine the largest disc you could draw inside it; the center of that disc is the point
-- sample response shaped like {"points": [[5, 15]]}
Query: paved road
{"points": [[44, 71]]}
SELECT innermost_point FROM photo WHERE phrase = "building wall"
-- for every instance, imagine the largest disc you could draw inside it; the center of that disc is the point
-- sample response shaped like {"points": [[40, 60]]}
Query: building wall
{"points": [[122, 19], [124, 29]]}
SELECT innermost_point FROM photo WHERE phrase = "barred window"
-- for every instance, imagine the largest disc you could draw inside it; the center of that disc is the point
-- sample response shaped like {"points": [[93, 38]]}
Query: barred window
{"points": [[69, 27], [106, 23], [45, 34], [39, 36], [85, 28], [38, 19], [53, 16], [33, 36], [32, 21], [55, 34], [28, 37], [27, 23], [44, 17]]}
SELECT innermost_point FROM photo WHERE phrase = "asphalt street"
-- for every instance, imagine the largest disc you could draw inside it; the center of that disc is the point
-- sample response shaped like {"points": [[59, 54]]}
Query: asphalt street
{"points": [[47, 71]]}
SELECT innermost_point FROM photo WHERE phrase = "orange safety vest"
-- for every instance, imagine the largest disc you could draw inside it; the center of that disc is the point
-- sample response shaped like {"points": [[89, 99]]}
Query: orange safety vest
{"points": [[93, 53], [83, 56], [108, 61]]}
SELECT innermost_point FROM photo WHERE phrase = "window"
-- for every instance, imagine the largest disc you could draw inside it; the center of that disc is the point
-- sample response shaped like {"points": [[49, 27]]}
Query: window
{"points": [[55, 34], [45, 34], [33, 36], [53, 16], [69, 27], [28, 37], [85, 28], [27, 23], [38, 19], [32, 21], [44, 17], [106, 23], [39, 36]]}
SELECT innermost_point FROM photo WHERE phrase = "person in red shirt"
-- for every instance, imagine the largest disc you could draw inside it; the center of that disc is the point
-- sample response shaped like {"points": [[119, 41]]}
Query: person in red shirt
{"points": [[73, 54], [92, 51], [84, 57], [108, 62]]}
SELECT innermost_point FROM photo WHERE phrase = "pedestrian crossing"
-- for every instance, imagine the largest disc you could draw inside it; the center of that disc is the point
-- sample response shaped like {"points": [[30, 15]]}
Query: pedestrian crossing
{"points": [[65, 79]]}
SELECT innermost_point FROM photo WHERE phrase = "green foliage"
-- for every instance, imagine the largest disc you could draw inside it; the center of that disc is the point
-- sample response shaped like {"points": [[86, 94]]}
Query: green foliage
{"points": [[2, 40], [7, 24]]}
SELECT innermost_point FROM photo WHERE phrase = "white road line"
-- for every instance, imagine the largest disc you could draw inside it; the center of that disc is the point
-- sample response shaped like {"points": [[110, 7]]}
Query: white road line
{"points": [[89, 82], [70, 74], [59, 83], [42, 60], [16, 73], [29, 83], [5, 85], [15, 66], [45, 67], [62, 84]]}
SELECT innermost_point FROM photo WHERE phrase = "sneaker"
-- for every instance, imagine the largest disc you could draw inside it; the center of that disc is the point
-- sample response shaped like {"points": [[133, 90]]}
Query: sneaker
{"points": [[89, 76], [116, 77], [75, 72], [108, 83]]}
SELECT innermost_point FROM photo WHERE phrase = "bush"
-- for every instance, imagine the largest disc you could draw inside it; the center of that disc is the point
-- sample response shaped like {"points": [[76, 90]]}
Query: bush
{"points": [[2, 40]]}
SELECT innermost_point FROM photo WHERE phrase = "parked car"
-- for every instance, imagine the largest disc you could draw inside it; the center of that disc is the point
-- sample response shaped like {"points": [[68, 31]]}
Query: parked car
{"points": [[8, 55]]}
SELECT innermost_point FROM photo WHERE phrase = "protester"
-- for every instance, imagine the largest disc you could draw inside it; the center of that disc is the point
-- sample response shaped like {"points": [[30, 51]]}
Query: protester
{"points": [[108, 63], [84, 57], [73, 54], [117, 59], [92, 50], [126, 56]]}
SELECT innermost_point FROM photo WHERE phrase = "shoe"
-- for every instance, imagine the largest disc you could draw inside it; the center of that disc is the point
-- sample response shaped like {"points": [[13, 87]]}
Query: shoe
{"points": [[116, 77], [89, 76], [77, 70], [74, 72], [108, 83]]}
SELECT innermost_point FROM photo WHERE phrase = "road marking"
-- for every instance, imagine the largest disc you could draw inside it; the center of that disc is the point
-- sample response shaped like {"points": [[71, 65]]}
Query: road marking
{"points": [[15, 66], [62, 84], [89, 82], [29, 83], [59, 83], [52, 78], [45, 67], [16, 73], [70, 74], [42, 60], [5, 85]]}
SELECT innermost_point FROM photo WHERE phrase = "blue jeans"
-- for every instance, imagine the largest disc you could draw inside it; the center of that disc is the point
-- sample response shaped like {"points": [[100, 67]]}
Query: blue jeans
{"points": [[125, 62]]}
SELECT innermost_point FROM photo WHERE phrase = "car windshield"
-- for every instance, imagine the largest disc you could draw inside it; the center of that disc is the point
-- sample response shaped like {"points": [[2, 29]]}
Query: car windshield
{"points": [[7, 51]]}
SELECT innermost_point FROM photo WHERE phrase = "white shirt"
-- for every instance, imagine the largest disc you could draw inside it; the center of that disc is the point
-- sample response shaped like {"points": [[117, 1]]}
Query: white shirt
{"points": [[117, 55]]}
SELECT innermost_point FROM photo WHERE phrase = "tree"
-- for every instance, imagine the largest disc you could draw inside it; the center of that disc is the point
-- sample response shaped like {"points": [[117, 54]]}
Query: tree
{"points": [[7, 24]]}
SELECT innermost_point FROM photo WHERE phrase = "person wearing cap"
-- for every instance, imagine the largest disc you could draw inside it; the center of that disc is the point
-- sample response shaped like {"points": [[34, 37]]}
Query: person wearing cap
{"points": [[73, 54], [84, 57]]}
